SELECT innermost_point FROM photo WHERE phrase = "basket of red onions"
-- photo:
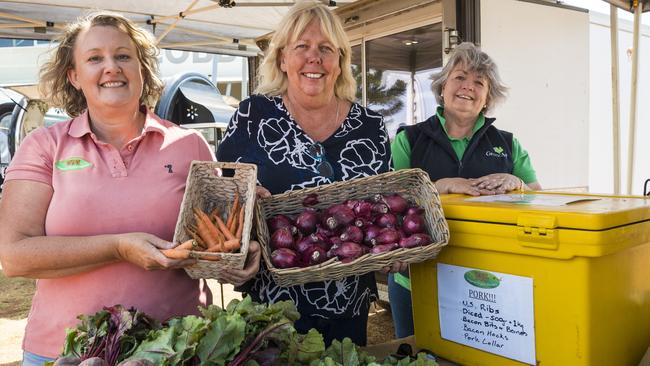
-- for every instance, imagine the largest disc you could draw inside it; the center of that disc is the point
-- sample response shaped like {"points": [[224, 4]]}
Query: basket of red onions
{"points": [[351, 227]]}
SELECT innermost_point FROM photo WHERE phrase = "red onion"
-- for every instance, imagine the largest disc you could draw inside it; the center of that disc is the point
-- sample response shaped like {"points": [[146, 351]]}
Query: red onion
{"points": [[396, 203], [363, 210], [383, 248], [337, 216], [325, 232], [370, 233], [335, 240], [351, 204], [413, 224], [414, 210], [306, 221], [386, 220], [282, 238], [314, 255], [386, 236], [310, 200], [284, 258], [415, 240], [280, 221], [362, 223], [349, 250], [380, 208], [352, 233]]}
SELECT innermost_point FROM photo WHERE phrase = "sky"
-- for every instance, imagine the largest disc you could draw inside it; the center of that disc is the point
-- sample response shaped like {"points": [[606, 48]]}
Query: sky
{"points": [[601, 6]]}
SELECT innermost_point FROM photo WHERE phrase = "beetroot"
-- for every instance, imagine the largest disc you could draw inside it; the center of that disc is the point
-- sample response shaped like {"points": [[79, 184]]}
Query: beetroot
{"points": [[306, 221], [337, 216], [280, 221], [282, 238], [415, 240], [284, 258], [352, 233], [386, 220], [413, 224], [383, 248], [386, 236], [314, 255], [310, 200]]}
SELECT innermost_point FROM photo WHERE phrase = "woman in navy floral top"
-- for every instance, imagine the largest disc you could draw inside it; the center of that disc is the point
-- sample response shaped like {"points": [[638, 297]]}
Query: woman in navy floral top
{"points": [[303, 129]]}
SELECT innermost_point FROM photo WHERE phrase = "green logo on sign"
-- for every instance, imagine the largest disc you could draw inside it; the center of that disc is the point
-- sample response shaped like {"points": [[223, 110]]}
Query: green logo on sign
{"points": [[498, 149], [72, 164], [482, 279]]}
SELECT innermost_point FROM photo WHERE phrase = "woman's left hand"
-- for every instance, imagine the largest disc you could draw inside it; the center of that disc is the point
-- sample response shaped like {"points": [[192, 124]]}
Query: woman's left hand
{"points": [[240, 276], [396, 267], [499, 182]]}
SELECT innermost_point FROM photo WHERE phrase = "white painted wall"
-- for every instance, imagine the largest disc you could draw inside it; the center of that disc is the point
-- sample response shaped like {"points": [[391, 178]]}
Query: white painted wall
{"points": [[600, 106], [543, 55]]}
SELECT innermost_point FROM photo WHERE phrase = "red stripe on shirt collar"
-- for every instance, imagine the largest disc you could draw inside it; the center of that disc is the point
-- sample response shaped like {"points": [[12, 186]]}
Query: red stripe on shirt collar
{"points": [[152, 123]]}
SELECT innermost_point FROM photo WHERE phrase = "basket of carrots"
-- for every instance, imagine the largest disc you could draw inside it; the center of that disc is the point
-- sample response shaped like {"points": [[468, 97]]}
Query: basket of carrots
{"points": [[215, 219], [350, 228]]}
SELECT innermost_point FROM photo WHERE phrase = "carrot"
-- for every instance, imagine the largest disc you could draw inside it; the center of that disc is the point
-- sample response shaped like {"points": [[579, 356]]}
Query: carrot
{"points": [[232, 245], [191, 231], [224, 229], [205, 228], [176, 253], [232, 215], [208, 258], [240, 229]]}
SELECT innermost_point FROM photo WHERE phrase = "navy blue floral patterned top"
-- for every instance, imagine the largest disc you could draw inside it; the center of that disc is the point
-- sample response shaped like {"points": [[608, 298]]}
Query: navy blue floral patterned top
{"points": [[263, 132]]}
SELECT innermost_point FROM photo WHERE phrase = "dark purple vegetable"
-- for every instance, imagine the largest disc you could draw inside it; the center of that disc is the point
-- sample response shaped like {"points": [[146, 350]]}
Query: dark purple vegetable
{"points": [[282, 238], [349, 251], [310, 200], [363, 210], [335, 240], [386, 236], [415, 240], [352, 233], [136, 362], [383, 248], [280, 221], [284, 258], [306, 221], [337, 216], [334, 249], [370, 233], [314, 255], [351, 204], [325, 232], [380, 208], [309, 241], [386, 220], [362, 223], [413, 224], [396, 203], [94, 361], [267, 356], [67, 361], [414, 210]]}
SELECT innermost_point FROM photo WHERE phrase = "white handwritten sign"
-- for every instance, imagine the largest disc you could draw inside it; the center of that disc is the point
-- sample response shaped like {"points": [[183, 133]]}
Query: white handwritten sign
{"points": [[490, 311]]}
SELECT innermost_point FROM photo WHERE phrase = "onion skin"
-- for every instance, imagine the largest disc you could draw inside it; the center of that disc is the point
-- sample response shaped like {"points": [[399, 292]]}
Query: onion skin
{"points": [[386, 220], [414, 210], [310, 200], [280, 221], [363, 210], [370, 234], [413, 224], [386, 236], [380, 208], [306, 221], [282, 238], [415, 240], [314, 255], [352, 233], [349, 250], [284, 258], [337, 216], [396, 203], [383, 248]]}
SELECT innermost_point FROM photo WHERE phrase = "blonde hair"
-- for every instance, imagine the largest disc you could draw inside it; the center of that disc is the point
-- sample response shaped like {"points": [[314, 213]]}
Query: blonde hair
{"points": [[474, 59], [57, 89], [273, 81]]}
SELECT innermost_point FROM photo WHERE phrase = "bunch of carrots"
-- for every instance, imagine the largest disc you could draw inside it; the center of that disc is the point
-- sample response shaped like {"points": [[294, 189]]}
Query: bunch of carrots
{"points": [[211, 234]]}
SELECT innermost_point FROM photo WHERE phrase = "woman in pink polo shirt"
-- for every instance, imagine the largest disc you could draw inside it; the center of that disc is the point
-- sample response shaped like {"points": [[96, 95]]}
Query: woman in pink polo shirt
{"points": [[88, 203]]}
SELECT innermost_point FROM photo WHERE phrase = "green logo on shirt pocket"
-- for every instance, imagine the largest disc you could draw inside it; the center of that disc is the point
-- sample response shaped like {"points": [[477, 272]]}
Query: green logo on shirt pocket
{"points": [[73, 163]]}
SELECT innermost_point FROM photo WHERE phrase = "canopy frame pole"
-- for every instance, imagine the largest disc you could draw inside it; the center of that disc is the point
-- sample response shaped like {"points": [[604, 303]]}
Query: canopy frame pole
{"points": [[173, 25], [616, 119], [185, 13], [633, 96]]}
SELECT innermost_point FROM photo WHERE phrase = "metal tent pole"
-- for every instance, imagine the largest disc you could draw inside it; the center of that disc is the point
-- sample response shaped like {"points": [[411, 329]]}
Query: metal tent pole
{"points": [[616, 121], [633, 95]]}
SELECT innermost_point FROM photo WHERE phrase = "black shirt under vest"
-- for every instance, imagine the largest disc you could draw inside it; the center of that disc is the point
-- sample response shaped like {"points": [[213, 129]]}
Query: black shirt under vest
{"points": [[489, 151]]}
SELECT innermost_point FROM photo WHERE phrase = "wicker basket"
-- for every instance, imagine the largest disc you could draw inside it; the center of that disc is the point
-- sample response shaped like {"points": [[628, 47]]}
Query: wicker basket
{"points": [[413, 184], [212, 185]]}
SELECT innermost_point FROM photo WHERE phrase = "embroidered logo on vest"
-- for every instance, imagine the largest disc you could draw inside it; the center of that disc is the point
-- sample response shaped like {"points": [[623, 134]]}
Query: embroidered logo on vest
{"points": [[73, 163], [496, 152]]}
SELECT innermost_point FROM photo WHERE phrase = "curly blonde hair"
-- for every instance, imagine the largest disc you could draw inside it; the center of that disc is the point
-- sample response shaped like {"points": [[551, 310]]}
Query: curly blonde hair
{"points": [[57, 89], [273, 81]]}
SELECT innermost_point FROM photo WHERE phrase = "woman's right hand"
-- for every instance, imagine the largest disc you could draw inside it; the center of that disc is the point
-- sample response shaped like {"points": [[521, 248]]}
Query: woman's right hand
{"points": [[461, 186], [144, 250], [262, 192]]}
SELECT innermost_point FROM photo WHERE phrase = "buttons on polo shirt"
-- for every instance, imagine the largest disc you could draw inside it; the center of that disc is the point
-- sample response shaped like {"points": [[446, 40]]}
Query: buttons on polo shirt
{"points": [[129, 147]]}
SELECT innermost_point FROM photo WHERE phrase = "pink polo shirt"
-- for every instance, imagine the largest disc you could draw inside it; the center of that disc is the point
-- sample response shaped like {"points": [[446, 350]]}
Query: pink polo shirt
{"points": [[100, 190]]}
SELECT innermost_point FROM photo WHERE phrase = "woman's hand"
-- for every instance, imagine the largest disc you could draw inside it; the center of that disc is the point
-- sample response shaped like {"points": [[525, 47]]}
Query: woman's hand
{"points": [[461, 186], [499, 182], [143, 250], [240, 276], [262, 192], [396, 267]]}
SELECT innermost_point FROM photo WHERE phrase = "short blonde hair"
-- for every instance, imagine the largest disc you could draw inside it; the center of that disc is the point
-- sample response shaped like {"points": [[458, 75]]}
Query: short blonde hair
{"points": [[474, 59], [273, 81], [57, 89]]}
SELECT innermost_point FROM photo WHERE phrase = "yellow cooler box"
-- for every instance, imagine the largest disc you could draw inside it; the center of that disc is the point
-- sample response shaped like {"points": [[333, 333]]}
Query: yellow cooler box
{"points": [[538, 279]]}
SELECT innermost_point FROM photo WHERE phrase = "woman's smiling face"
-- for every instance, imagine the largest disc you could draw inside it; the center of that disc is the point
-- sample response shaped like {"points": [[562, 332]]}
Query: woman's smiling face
{"points": [[465, 92], [107, 68], [311, 63]]}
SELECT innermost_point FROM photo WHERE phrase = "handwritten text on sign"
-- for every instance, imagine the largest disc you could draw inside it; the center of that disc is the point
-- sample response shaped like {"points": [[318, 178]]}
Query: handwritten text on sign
{"points": [[490, 311]]}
